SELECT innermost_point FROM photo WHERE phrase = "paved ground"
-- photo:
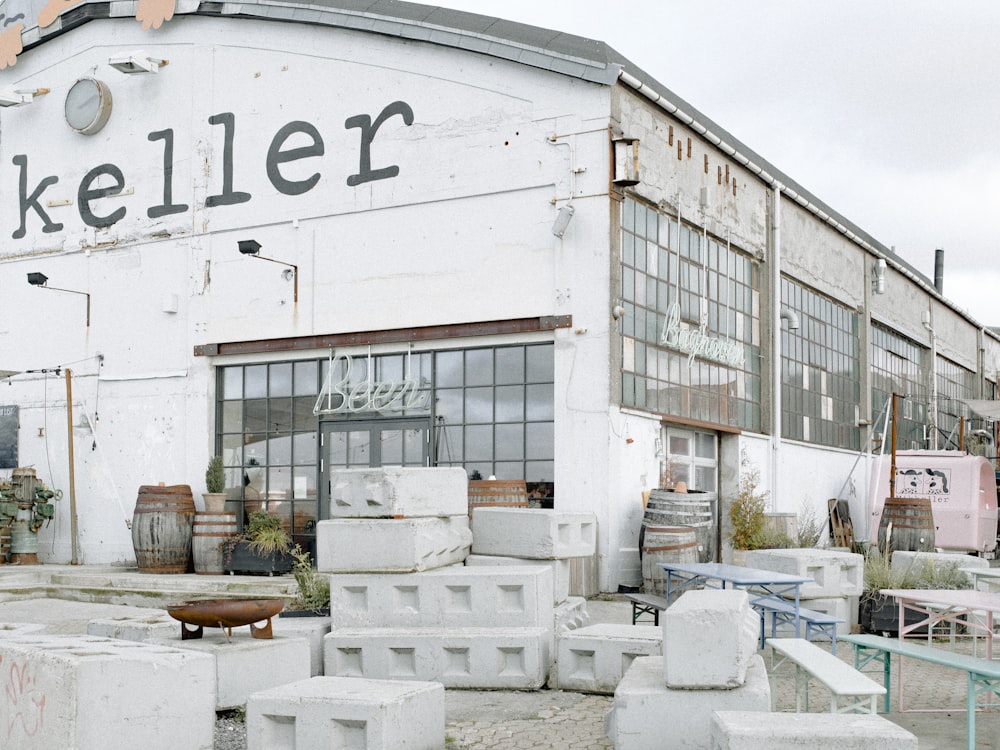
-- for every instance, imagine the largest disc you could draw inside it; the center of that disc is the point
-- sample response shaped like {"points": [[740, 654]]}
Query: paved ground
{"points": [[557, 720]]}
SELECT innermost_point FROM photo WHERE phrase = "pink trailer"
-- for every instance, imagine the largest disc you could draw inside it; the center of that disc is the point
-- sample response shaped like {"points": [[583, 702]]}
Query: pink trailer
{"points": [[962, 489]]}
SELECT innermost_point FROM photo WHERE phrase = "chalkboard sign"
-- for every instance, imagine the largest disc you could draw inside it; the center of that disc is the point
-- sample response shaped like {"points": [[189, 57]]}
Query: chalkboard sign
{"points": [[8, 437]]}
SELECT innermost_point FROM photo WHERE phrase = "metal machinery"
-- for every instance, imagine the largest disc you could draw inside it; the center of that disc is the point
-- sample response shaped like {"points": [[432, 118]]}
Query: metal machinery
{"points": [[25, 506]]}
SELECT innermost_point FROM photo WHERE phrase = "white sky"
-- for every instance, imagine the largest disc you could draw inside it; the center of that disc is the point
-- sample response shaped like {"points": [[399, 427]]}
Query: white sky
{"points": [[886, 110]]}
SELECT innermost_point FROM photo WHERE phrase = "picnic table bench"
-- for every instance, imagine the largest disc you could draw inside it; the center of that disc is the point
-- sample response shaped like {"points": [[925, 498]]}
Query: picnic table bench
{"points": [[784, 612], [844, 682], [646, 604], [983, 674]]}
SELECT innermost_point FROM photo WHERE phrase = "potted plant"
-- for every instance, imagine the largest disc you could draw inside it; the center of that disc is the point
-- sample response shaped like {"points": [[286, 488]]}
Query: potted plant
{"points": [[263, 547], [878, 613], [215, 483], [313, 597]]}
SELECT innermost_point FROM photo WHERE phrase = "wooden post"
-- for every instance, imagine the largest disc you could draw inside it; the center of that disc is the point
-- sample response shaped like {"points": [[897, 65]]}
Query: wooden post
{"points": [[72, 462]]}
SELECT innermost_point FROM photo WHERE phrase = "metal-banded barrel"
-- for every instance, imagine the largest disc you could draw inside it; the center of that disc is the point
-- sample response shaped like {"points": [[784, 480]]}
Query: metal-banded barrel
{"points": [[210, 530], [665, 544], [906, 524], [694, 508], [161, 528]]}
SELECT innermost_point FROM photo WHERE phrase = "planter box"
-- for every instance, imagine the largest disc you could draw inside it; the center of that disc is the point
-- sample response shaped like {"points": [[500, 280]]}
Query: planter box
{"points": [[880, 614], [244, 560]]}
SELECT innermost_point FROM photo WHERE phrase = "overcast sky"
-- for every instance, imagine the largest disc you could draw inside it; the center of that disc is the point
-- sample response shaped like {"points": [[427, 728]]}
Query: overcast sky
{"points": [[888, 111]]}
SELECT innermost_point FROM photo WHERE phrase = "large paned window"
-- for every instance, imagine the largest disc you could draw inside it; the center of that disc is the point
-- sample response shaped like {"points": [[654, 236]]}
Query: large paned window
{"points": [[820, 370], [691, 322], [494, 412], [898, 366], [954, 385], [489, 409]]}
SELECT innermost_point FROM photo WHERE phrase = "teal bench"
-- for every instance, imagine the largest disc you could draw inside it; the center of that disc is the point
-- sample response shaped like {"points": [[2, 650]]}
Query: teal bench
{"points": [[783, 611], [983, 674], [646, 604]]}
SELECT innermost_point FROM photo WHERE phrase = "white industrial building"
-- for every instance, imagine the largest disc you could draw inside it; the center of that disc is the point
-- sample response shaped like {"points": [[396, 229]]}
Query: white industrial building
{"points": [[490, 246]]}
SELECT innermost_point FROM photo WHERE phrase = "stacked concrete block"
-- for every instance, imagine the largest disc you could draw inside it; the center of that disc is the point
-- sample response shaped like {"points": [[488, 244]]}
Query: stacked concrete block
{"points": [[92, 693], [313, 629], [594, 658], [139, 628], [342, 712], [244, 665], [750, 730], [560, 570], [390, 545], [533, 533], [571, 614], [515, 658], [838, 579], [394, 520], [648, 715], [726, 630], [449, 597], [398, 492], [709, 663], [12, 629]]}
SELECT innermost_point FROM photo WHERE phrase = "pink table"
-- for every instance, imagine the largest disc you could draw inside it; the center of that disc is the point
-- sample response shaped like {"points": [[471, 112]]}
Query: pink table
{"points": [[945, 605]]}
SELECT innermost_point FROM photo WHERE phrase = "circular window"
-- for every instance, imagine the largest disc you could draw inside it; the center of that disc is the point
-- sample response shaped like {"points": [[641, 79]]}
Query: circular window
{"points": [[88, 105]]}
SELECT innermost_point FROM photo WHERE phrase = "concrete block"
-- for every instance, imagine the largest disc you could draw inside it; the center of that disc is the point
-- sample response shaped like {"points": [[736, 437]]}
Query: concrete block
{"points": [[750, 730], [347, 712], [313, 629], [843, 607], [594, 658], [571, 614], [560, 570], [11, 629], [478, 658], [834, 573], [534, 533], [648, 715], [903, 560], [92, 693], [389, 545], [710, 638], [244, 665], [461, 597], [399, 492], [138, 628]]}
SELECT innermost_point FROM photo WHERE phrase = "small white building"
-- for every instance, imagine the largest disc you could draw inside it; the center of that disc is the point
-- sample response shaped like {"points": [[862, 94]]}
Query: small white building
{"points": [[489, 245]]}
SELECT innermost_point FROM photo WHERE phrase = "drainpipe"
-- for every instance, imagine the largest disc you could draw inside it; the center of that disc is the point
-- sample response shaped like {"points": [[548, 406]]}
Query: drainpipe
{"points": [[925, 318], [776, 348]]}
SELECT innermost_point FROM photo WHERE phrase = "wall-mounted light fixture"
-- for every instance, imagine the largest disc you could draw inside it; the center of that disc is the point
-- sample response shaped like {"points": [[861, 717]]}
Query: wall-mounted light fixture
{"points": [[11, 97], [136, 62], [626, 161], [878, 276], [41, 280], [252, 248], [562, 220]]}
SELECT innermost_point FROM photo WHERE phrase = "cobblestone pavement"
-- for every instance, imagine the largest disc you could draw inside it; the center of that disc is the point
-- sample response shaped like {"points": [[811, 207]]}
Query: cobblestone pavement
{"points": [[558, 720]]}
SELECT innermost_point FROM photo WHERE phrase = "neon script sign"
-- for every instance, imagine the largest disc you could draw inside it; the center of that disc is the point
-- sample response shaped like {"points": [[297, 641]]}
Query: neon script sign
{"points": [[697, 342], [345, 395]]}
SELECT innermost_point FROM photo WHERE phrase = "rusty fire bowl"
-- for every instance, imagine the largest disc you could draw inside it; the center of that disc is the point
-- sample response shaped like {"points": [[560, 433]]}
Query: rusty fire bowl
{"points": [[226, 614]]}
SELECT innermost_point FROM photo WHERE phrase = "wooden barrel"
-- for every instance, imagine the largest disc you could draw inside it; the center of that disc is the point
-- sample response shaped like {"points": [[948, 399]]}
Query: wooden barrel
{"points": [[161, 528], [906, 524], [208, 533], [694, 509], [4, 544], [497, 493], [665, 544]]}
